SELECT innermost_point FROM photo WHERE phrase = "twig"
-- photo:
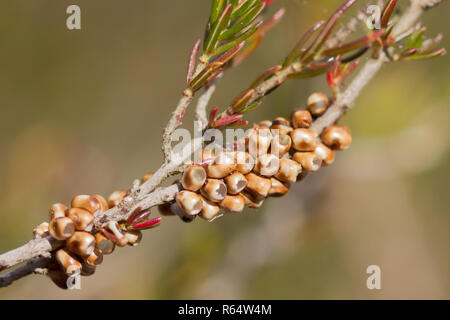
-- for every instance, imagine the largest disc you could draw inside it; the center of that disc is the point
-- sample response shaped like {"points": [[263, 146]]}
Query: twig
{"points": [[32, 249], [146, 195], [346, 99], [33, 266], [203, 101], [346, 31], [174, 122]]}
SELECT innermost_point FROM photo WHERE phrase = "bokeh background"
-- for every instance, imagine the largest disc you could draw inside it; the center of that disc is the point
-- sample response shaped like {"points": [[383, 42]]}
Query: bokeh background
{"points": [[82, 112]]}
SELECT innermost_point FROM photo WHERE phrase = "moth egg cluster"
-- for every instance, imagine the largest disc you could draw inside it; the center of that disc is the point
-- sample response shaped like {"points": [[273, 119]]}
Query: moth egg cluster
{"points": [[277, 154]]}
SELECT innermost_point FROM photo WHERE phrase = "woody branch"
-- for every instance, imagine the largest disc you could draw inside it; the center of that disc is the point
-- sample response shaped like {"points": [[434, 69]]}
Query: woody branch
{"points": [[150, 193]]}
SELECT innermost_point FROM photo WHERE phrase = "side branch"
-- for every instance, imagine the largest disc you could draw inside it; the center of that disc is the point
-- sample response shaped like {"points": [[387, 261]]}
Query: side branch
{"points": [[203, 101], [346, 99], [28, 268], [174, 122], [32, 249]]}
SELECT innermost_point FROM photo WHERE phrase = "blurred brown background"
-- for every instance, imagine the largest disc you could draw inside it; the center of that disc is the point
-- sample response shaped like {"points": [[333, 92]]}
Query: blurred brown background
{"points": [[82, 112]]}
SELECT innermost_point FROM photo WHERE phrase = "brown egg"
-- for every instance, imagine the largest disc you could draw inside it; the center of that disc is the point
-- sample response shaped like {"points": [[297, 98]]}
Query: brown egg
{"points": [[251, 200], [193, 178], [68, 262], [189, 202], [233, 204], [280, 126], [259, 141], [83, 220], [134, 237], [61, 228], [278, 188], [223, 165], [325, 154], [235, 182], [304, 139], [86, 202], [308, 160], [257, 185], [214, 190], [57, 210], [280, 145], [337, 137], [244, 162], [95, 258], [102, 201], [210, 210], [301, 119], [105, 245], [267, 165], [81, 243], [289, 170], [317, 103]]}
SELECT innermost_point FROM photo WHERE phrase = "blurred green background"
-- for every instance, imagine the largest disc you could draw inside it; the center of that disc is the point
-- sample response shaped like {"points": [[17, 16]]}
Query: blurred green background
{"points": [[82, 112]]}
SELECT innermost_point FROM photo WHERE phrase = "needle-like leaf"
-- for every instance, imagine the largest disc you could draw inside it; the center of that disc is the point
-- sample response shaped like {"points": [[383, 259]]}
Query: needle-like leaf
{"points": [[242, 22], [251, 106], [242, 7], [354, 45], [387, 12], [243, 37], [213, 114], [309, 54], [146, 224], [210, 72], [216, 9], [241, 101], [429, 55], [192, 61], [216, 29], [230, 54], [227, 120], [296, 52], [255, 40], [308, 73]]}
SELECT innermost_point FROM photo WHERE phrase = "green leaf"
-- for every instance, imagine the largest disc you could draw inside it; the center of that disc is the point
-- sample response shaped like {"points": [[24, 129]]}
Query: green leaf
{"points": [[230, 54], [216, 29], [243, 22], [216, 9], [416, 39], [428, 55], [243, 7], [250, 107], [247, 34]]}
